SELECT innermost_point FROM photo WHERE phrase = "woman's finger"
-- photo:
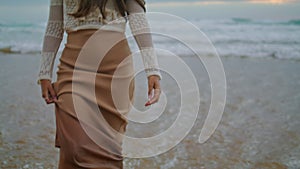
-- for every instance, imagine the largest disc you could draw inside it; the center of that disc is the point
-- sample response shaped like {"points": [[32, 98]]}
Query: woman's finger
{"points": [[157, 85], [46, 91], [45, 95], [153, 90], [155, 97], [150, 88], [52, 93], [150, 92]]}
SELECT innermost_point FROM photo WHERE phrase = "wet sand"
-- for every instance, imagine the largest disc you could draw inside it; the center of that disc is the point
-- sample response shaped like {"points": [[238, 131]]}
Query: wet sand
{"points": [[259, 128]]}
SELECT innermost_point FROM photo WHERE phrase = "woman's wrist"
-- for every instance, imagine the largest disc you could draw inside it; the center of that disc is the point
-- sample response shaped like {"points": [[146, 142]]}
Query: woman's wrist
{"points": [[154, 75], [153, 72], [39, 81]]}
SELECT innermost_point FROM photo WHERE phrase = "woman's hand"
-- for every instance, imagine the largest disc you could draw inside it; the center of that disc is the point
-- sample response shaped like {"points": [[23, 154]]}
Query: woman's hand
{"points": [[48, 92], [153, 90]]}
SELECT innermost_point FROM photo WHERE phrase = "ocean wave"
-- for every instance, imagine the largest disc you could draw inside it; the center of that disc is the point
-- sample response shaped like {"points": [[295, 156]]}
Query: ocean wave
{"points": [[19, 24], [231, 39], [15, 50], [8, 50], [241, 20], [295, 22], [256, 42], [26, 27], [186, 53], [270, 56]]}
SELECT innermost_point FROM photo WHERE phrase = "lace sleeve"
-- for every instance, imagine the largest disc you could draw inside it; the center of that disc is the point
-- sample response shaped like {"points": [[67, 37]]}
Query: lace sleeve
{"points": [[52, 39], [140, 29]]}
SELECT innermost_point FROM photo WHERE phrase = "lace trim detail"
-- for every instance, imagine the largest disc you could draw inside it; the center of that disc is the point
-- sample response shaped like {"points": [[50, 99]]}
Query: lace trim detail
{"points": [[138, 22], [56, 2], [150, 61], [153, 71], [93, 18], [149, 58], [47, 63], [55, 29]]}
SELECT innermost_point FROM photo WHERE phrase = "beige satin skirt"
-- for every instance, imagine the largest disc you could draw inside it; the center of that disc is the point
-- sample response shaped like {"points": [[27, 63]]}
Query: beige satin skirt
{"points": [[93, 103]]}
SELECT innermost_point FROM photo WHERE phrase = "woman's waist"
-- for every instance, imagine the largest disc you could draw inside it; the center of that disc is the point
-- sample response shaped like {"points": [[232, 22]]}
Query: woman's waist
{"points": [[81, 36], [118, 27], [89, 41]]}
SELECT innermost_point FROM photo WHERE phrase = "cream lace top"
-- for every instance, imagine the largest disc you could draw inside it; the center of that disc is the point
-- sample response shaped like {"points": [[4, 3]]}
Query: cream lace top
{"points": [[59, 21]]}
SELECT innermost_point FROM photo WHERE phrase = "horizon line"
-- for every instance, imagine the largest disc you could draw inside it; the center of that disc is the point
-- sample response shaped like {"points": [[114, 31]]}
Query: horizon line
{"points": [[218, 2]]}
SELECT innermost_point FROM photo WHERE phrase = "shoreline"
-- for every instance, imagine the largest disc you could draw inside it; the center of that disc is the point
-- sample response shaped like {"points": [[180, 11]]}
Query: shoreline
{"points": [[8, 51], [259, 127]]}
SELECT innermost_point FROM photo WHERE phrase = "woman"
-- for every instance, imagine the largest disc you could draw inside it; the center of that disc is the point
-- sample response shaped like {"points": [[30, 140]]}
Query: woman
{"points": [[84, 139]]}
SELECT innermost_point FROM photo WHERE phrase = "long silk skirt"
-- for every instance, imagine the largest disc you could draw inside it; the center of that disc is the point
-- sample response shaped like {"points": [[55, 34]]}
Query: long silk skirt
{"points": [[93, 99]]}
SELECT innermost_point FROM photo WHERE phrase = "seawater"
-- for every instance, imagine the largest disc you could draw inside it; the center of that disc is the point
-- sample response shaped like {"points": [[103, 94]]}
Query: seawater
{"points": [[241, 37]]}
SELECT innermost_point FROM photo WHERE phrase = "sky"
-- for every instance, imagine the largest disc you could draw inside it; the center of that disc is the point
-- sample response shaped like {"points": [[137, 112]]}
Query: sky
{"points": [[254, 9], [209, 9], [40, 2]]}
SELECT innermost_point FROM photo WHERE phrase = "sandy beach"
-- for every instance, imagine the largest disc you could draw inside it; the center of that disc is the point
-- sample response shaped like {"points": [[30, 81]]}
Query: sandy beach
{"points": [[259, 128]]}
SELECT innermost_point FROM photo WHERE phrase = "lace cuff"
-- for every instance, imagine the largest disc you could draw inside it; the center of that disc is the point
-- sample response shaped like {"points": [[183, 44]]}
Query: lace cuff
{"points": [[150, 62], [52, 38], [140, 28], [46, 66]]}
